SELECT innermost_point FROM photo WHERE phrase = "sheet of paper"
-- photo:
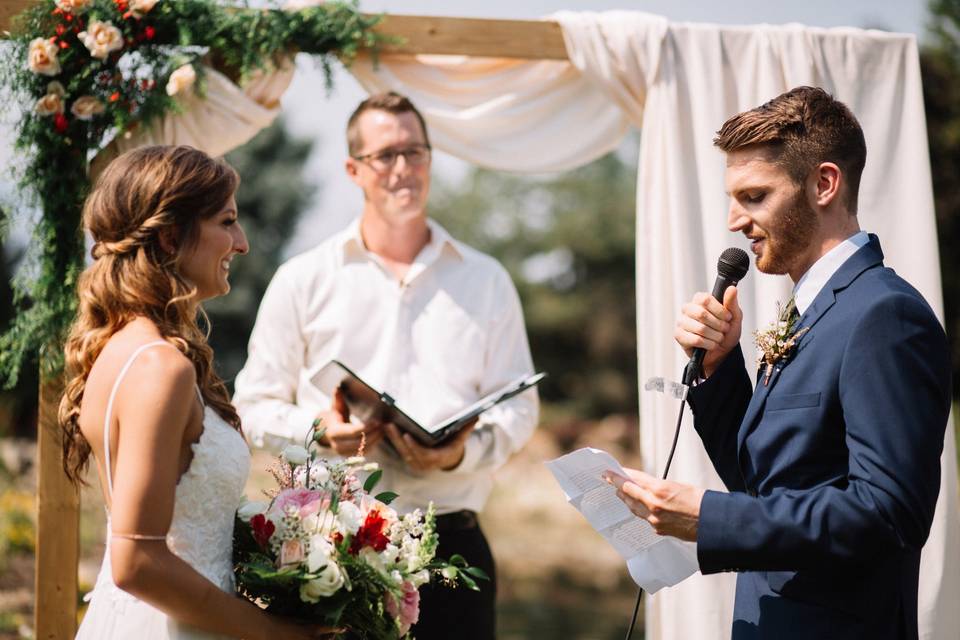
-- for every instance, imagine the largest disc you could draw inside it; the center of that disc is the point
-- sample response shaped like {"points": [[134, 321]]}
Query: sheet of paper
{"points": [[653, 561]]}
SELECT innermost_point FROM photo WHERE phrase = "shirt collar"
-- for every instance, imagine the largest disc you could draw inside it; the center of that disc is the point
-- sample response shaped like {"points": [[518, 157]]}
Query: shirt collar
{"points": [[810, 284], [352, 246]]}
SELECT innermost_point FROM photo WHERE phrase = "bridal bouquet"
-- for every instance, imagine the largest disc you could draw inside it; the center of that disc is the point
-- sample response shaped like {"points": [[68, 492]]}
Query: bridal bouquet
{"points": [[324, 548]]}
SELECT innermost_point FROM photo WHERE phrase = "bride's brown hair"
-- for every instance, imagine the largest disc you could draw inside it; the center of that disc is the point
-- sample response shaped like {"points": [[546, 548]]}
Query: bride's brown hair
{"points": [[143, 194]]}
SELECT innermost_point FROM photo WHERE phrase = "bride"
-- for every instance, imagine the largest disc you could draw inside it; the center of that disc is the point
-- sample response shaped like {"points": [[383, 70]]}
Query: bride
{"points": [[143, 398]]}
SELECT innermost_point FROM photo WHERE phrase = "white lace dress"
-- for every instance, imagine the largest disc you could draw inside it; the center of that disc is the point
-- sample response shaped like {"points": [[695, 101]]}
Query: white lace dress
{"points": [[201, 532]]}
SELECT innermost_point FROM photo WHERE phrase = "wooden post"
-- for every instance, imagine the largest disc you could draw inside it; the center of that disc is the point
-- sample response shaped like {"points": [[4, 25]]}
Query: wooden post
{"points": [[58, 528]]}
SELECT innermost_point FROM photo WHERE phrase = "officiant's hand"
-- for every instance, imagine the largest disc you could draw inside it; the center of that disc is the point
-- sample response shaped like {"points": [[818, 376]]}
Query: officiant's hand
{"points": [[671, 508], [420, 458], [344, 436]]}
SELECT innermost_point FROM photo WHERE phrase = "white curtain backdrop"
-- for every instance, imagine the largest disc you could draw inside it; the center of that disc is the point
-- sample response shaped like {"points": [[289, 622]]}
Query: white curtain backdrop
{"points": [[677, 83]]}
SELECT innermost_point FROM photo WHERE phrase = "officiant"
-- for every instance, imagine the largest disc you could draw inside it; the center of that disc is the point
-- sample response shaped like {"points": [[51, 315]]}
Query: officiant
{"points": [[418, 314]]}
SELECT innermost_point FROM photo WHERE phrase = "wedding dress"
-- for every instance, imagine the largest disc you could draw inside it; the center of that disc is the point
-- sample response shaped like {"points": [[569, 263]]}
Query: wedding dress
{"points": [[201, 532]]}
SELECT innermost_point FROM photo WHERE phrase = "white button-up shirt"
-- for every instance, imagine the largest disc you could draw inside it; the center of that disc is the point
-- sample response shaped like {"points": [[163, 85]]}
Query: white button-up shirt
{"points": [[446, 335], [817, 276]]}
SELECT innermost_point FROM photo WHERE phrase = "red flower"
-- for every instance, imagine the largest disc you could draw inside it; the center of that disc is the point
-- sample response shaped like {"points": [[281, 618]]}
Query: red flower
{"points": [[60, 123], [150, 32], [114, 96], [262, 529], [371, 534], [64, 45], [68, 17], [60, 29]]}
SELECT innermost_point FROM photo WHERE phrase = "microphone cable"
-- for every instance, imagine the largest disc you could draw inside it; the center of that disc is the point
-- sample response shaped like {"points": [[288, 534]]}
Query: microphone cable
{"points": [[666, 471]]}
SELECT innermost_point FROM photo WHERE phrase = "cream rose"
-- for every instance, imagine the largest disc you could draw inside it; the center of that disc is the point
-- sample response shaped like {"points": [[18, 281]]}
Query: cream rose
{"points": [[326, 584], [42, 57], [52, 102], [101, 38], [73, 6], [85, 107], [141, 7], [181, 80]]}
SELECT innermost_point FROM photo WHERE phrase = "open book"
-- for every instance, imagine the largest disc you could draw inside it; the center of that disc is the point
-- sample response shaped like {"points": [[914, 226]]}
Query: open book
{"points": [[371, 405]]}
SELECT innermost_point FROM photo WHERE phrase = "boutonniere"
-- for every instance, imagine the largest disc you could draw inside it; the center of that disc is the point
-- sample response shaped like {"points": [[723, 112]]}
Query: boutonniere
{"points": [[778, 341]]}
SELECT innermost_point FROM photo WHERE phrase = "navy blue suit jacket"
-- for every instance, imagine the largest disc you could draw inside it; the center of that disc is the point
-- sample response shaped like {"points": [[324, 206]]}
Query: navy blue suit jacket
{"points": [[833, 467]]}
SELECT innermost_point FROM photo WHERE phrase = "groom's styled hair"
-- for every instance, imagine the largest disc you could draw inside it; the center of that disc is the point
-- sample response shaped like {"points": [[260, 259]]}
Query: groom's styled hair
{"points": [[391, 102], [802, 127]]}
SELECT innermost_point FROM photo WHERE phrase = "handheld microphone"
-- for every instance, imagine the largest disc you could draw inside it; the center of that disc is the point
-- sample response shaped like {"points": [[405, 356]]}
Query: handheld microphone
{"points": [[731, 268]]}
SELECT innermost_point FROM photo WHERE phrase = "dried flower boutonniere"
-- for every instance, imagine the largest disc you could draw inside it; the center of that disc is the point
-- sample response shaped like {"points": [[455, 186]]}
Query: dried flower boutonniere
{"points": [[777, 341]]}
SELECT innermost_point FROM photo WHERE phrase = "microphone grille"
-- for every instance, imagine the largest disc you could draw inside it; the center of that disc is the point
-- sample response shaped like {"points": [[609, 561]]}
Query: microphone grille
{"points": [[733, 264]]}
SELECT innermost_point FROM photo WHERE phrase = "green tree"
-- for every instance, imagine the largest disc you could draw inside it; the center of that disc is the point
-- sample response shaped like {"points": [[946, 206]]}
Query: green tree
{"points": [[568, 242], [272, 194], [940, 69]]}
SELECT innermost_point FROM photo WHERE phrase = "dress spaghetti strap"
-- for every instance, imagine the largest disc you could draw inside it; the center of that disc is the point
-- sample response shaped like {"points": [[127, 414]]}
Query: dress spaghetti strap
{"points": [[108, 415]]}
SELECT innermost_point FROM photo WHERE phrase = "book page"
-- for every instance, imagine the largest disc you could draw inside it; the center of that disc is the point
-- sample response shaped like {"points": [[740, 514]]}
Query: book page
{"points": [[654, 561]]}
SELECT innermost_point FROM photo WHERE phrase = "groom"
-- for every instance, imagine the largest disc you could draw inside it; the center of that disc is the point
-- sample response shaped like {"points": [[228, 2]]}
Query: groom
{"points": [[833, 461]]}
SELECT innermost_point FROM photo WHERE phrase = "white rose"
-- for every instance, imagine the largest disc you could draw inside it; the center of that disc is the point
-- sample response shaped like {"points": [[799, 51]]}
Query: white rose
{"points": [[249, 509], [327, 583], [101, 38], [141, 7], [42, 57], [181, 80], [52, 102], [349, 518], [73, 6], [293, 453], [321, 552], [373, 560], [85, 107], [297, 5]]}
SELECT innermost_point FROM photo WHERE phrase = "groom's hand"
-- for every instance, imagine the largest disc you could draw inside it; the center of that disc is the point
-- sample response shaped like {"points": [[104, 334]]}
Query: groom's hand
{"points": [[671, 508], [705, 323], [344, 436]]}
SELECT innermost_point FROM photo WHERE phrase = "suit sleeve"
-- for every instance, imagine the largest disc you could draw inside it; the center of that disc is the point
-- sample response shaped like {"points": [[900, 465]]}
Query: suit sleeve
{"points": [[894, 391], [719, 404]]}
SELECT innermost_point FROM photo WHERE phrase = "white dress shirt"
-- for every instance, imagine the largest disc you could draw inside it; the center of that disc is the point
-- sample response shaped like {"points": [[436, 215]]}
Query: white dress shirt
{"points": [[446, 335], [817, 276]]}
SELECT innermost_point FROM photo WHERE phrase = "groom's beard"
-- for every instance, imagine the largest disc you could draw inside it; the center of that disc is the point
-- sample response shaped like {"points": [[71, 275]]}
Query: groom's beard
{"points": [[788, 239]]}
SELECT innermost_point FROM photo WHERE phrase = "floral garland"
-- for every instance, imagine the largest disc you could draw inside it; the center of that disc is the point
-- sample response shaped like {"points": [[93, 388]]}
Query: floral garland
{"points": [[83, 71]]}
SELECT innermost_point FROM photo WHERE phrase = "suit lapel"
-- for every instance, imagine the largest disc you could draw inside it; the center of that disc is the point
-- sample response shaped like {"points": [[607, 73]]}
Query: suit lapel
{"points": [[866, 257]]}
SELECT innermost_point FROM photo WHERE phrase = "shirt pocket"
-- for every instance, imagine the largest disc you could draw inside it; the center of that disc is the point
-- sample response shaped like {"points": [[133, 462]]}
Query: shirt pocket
{"points": [[793, 401]]}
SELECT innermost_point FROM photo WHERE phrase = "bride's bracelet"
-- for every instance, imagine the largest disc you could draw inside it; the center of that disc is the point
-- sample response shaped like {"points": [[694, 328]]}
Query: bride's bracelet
{"points": [[136, 536]]}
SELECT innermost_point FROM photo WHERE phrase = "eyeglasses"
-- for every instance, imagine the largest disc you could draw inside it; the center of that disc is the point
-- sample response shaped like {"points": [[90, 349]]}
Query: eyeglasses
{"points": [[415, 155]]}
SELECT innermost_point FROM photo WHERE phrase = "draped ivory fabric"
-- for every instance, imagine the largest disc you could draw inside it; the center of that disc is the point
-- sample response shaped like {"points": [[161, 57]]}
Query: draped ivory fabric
{"points": [[677, 83], [224, 118]]}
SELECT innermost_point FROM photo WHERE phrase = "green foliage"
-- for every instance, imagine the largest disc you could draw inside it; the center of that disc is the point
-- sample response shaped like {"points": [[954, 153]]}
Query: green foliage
{"points": [[129, 88], [577, 229], [273, 192], [940, 69]]}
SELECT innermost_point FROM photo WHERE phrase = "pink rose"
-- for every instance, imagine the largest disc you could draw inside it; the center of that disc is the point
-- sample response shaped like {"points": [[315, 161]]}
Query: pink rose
{"points": [[305, 501], [407, 611]]}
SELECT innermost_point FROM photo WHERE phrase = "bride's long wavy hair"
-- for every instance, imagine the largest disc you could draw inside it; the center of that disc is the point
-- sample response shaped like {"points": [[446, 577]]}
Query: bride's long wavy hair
{"points": [[143, 194]]}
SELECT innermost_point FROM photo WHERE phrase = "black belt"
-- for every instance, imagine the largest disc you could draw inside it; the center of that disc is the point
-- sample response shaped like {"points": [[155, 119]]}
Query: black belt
{"points": [[457, 521]]}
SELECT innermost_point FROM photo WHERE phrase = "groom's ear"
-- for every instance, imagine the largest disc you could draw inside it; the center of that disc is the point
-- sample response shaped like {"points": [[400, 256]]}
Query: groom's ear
{"points": [[829, 181]]}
